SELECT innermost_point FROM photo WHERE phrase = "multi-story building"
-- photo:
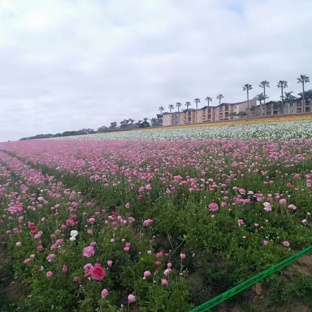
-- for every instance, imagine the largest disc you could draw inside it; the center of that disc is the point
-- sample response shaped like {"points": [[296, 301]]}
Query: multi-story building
{"points": [[224, 111]]}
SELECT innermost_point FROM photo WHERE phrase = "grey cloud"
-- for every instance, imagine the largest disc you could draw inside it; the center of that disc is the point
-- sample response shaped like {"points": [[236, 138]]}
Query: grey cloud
{"points": [[97, 62]]}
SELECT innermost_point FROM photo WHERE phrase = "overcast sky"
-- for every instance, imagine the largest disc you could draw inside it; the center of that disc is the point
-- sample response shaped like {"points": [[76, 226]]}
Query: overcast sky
{"points": [[73, 64]]}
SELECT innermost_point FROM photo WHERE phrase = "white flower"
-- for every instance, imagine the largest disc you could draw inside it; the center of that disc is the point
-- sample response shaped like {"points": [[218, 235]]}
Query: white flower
{"points": [[73, 233], [72, 238]]}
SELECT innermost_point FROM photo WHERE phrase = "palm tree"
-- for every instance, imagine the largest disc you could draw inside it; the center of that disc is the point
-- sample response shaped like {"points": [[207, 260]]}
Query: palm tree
{"points": [[161, 109], [197, 100], [289, 98], [187, 104], [208, 99], [264, 84], [247, 87], [282, 84], [303, 79], [171, 107], [260, 97], [178, 105], [220, 97]]}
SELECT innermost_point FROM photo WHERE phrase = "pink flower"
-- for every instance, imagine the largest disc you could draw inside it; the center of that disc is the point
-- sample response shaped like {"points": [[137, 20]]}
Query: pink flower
{"points": [[59, 242], [90, 232], [303, 221], [65, 268], [91, 220], [104, 293], [51, 257], [88, 251], [127, 205], [88, 268], [148, 222], [97, 272], [213, 207], [264, 243], [267, 206], [131, 298], [286, 244], [164, 281], [70, 222], [109, 263], [240, 222], [167, 271], [282, 201], [169, 265], [18, 244], [292, 207], [92, 244], [158, 263], [159, 254], [126, 249], [182, 256], [26, 261], [49, 274], [256, 224], [147, 274], [77, 279]]}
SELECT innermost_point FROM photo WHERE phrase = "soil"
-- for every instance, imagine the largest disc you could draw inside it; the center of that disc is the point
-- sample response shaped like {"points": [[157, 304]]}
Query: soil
{"points": [[10, 290], [303, 265]]}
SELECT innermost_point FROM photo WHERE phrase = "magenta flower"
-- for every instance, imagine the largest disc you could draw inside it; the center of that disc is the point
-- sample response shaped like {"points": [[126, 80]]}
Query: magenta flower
{"points": [[182, 256], [26, 261], [97, 272], [265, 243]]}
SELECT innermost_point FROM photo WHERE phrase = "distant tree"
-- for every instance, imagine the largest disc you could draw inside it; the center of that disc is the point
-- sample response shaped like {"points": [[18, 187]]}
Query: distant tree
{"points": [[171, 107], [154, 122], [113, 125], [187, 104], [145, 123], [247, 87], [241, 114], [102, 129], [161, 109], [303, 79], [131, 121], [282, 84], [219, 97]]}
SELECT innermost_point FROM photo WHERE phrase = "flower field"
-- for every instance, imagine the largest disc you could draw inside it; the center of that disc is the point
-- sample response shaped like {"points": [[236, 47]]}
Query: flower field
{"points": [[159, 220]]}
